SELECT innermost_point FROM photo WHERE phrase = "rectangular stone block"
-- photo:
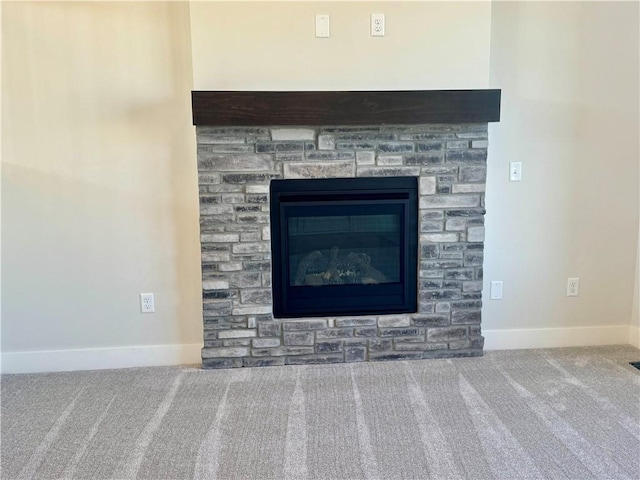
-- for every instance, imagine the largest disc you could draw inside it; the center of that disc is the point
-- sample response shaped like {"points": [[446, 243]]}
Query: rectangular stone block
{"points": [[446, 334], [471, 135], [244, 178], [245, 279], [330, 346], [224, 352], [237, 342], [220, 238], [433, 264], [479, 144], [428, 251], [473, 259], [215, 284], [220, 362], [424, 159], [273, 147], [449, 201], [394, 332], [431, 320], [365, 158], [388, 171], [252, 310], [265, 342], [428, 226], [395, 147], [390, 160], [458, 144], [472, 174], [445, 237], [474, 286], [383, 356], [428, 146], [334, 333], [434, 295], [269, 329], [312, 359], [298, 350], [365, 331], [427, 185], [295, 134], [459, 274], [250, 247], [298, 338], [228, 162], [380, 344], [261, 296], [475, 234], [217, 308], [355, 322], [417, 347], [236, 334], [208, 179], [400, 321], [467, 157], [213, 209], [263, 361], [297, 325], [467, 187], [353, 353], [465, 317], [328, 155], [326, 142], [319, 170]]}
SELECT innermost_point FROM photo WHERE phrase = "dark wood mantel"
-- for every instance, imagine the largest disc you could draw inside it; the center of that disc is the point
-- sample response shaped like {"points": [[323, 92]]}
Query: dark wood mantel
{"points": [[345, 108]]}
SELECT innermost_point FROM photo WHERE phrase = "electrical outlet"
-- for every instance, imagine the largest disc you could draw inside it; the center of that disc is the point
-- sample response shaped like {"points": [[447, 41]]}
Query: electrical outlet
{"points": [[573, 287], [147, 305], [377, 24], [496, 290]]}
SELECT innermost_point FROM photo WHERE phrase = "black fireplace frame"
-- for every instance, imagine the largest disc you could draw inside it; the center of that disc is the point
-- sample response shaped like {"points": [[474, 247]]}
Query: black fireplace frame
{"points": [[399, 194]]}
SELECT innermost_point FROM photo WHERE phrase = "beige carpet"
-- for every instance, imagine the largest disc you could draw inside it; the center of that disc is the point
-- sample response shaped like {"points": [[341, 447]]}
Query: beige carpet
{"points": [[529, 414]]}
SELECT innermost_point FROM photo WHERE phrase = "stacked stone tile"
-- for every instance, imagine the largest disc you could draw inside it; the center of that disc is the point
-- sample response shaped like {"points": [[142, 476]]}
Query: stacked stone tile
{"points": [[235, 166]]}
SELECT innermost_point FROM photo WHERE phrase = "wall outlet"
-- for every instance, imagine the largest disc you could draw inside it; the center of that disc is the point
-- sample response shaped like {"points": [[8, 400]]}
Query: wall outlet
{"points": [[147, 305], [573, 287], [377, 24], [496, 290]]}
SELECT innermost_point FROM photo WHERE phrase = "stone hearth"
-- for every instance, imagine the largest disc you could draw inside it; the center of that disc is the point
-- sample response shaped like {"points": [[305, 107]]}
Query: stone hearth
{"points": [[235, 167]]}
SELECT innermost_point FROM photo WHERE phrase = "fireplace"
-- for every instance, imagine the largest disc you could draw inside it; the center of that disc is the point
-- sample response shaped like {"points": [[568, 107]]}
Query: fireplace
{"points": [[341, 226], [344, 246]]}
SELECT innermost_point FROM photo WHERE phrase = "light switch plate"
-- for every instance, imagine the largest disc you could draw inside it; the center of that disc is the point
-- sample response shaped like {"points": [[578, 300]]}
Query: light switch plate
{"points": [[322, 26]]}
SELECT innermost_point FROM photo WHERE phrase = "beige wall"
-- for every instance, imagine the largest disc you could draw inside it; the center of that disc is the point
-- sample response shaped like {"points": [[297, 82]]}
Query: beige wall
{"points": [[569, 79], [272, 46], [635, 312], [99, 197]]}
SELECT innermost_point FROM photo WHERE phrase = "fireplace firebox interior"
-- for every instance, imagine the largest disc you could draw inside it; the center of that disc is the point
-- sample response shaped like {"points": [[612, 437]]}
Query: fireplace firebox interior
{"points": [[344, 246]]}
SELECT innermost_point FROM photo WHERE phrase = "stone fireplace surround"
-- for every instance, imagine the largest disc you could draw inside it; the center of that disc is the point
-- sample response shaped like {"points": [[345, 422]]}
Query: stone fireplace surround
{"points": [[237, 158]]}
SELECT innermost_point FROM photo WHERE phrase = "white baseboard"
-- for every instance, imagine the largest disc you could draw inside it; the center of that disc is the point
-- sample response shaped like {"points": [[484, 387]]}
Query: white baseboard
{"points": [[157, 355], [514, 339], [634, 336], [100, 358]]}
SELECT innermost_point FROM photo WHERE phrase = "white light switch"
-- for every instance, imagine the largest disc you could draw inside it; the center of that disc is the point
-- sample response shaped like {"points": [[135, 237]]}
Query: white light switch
{"points": [[515, 171], [322, 26], [496, 290]]}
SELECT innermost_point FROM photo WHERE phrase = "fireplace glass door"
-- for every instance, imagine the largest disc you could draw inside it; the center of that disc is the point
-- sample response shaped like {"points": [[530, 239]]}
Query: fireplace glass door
{"points": [[344, 246]]}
